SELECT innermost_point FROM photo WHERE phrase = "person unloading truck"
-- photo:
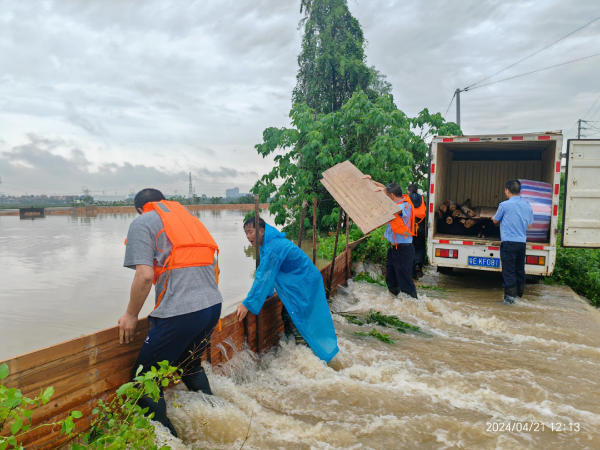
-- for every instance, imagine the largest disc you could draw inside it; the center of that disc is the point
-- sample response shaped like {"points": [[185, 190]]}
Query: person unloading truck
{"points": [[170, 247], [514, 216], [299, 284], [420, 212], [399, 232]]}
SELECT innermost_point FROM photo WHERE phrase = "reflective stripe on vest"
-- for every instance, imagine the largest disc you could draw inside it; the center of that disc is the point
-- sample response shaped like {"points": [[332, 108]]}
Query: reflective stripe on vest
{"points": [[193, 245], [398, 225]]}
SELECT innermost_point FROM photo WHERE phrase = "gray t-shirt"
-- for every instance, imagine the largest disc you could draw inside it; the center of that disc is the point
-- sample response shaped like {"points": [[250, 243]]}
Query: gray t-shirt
{"points": [[189, 289]]}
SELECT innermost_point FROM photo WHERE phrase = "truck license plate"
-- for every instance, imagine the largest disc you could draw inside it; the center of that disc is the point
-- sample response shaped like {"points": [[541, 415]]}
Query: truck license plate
{"points": [[484, 262]]}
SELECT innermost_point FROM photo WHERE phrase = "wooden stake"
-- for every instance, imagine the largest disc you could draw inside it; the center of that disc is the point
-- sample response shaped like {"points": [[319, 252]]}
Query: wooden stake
{"points": [[304, 203], [259, 316], [337, 235], [257, 229], [347, 240], [315, 231]]}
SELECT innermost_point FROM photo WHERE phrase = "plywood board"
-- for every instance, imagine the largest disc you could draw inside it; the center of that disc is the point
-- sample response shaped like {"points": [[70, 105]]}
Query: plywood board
{"points": [[367, 208]]}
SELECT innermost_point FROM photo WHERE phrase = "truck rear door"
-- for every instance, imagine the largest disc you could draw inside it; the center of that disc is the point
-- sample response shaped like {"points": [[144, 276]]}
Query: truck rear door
{"points": [[581, 204]]}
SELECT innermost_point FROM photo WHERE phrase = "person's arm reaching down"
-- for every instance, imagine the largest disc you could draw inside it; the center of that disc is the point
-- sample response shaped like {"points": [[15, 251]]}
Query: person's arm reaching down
{"points": [[140, 288], [264, 280]]}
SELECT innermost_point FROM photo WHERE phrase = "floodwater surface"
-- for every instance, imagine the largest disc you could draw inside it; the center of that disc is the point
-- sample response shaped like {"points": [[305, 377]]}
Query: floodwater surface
{"points": [[62, 277], [479, 375]]}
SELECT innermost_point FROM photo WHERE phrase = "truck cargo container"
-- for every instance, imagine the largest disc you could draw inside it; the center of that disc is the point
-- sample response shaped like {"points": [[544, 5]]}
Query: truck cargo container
{"points": [[477, 167]]}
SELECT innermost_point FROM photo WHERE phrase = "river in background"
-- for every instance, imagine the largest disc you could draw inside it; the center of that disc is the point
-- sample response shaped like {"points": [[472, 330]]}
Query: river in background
{"points": [[475, 367], [63, 276]]}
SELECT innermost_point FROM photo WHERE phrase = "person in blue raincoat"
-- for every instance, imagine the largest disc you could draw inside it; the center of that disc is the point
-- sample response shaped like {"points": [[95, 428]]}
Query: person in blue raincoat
{"points": [[299, 284]]}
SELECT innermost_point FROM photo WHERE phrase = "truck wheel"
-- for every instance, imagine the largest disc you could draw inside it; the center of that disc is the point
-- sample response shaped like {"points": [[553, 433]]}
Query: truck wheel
{"points": [[445, 270]]}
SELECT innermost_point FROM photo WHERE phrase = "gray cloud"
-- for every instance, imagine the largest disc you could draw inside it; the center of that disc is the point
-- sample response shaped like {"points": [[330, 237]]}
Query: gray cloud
{"points": [[155, 89], [54, 166]]}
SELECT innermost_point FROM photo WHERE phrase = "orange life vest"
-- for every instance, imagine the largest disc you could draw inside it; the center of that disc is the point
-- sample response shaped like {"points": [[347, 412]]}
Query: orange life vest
{"points": [[193, 245], [398, 226], [420, 213]]}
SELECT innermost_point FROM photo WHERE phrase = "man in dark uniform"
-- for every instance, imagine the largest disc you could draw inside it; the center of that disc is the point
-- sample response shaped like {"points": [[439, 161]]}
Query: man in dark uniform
{"points": [[418, 240], [401, 253]]}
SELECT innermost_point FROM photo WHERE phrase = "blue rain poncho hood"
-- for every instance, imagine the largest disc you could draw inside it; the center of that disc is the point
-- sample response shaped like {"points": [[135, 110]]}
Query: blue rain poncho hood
{"points": [[299, 284]]}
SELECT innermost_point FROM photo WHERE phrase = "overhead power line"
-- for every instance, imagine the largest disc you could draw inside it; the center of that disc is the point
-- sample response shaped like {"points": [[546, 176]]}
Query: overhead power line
{"points": [[451, 100], [533, 71], [533, 54]]}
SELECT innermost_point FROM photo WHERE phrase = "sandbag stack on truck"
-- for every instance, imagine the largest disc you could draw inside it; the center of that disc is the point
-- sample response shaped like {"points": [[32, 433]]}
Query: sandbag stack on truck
{"points": [[477, 167]]}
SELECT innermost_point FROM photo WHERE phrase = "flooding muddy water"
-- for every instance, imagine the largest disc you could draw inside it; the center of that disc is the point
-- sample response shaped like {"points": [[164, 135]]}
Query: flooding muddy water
{"points": [[63, 276], [476, 368]]}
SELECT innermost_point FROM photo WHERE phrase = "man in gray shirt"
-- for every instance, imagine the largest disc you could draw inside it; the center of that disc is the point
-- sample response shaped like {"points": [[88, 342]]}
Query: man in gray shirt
{"points": [[188, 301]]}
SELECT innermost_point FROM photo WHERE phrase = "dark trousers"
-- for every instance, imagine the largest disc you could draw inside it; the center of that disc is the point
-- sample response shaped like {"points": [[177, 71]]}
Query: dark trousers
{"points": [[181, 340], [512, 255], [419, 245], [398, 269]]}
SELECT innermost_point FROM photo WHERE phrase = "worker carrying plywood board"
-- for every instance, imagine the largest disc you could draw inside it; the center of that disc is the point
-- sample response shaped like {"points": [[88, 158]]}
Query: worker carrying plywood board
{"points": [[371, 208], [399, 232]]}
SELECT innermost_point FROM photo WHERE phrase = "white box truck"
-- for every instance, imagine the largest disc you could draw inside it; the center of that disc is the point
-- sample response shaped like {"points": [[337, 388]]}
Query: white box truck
{"points": [[477, 167]]}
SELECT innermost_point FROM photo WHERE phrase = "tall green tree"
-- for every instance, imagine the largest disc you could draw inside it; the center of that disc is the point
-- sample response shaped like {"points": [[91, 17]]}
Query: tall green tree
{"points": [[332, 63], [375, 136]]}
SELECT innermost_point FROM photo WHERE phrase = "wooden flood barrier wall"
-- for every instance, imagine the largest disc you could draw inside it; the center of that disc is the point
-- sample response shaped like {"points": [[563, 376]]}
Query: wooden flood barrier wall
{"points": [[92, 367]]}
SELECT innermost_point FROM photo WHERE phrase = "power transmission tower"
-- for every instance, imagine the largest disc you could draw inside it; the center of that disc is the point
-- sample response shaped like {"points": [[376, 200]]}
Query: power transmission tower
{"points": [[191, 192], [85, 190], [579, 129]]}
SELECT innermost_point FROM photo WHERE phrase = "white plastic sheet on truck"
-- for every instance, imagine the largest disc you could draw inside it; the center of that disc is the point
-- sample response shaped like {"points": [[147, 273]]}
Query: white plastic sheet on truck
{"points": [[581, 207]]}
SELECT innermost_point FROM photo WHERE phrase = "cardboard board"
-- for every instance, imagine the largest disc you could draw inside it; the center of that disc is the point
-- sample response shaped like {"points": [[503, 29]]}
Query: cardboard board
{"points": [[368, 209]]}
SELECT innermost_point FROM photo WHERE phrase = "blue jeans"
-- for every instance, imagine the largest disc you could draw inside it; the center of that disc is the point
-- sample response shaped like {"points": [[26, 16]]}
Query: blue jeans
{"points": [[181, 340], [512, 255]]}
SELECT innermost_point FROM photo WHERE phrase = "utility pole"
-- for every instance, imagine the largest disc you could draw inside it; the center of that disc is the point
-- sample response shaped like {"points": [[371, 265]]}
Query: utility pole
{"points": [[191, 192], [579, 129], [457, 92]]}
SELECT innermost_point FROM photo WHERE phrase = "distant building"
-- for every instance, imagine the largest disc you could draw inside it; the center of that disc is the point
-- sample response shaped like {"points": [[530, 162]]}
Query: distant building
{"points": [[232, 193], [235, 193]]}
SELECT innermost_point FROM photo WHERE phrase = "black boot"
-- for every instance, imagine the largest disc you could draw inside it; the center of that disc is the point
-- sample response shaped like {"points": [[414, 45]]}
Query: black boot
{"points": [[419, 272], [510, 295], [395, 290], [413, 294], [520, 290]]}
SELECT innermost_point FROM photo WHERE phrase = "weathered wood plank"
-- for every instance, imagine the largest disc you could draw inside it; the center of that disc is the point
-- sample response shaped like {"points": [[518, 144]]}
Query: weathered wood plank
{"points": [[367, 208]]}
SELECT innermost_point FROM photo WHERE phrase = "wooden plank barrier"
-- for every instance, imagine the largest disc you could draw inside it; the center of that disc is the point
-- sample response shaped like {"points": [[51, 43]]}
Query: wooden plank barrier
{"points": [[92, 367]]}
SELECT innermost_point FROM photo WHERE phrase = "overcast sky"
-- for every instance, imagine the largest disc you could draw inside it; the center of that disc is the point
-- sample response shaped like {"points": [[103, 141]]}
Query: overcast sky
{"points": [[120, 94]]}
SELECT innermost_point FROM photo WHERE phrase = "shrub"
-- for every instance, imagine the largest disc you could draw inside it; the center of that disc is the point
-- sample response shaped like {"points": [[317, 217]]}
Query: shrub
{"points": [[373, 249]]}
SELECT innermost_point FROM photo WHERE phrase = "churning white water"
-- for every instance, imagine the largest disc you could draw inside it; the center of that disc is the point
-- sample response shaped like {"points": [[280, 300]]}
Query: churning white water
{"points": [[476, 368]]}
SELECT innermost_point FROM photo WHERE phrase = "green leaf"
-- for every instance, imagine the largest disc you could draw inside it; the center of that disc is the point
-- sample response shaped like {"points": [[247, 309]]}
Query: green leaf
{"points": [[16, 426], [76, 414], [3, 371], [124, 388]]}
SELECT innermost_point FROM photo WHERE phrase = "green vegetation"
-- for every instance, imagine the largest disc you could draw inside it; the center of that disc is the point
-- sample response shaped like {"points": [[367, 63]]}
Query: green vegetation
{"points": [[377, 335], [117, 425], [373, 249], [578, 268], [16, 412], [332, 62], [375, 317], [432, 288], [342, 111], [365, 277]]}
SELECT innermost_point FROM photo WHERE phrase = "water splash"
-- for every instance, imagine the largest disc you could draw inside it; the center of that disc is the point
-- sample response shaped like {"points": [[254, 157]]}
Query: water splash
{"points": [[480, 362]]}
